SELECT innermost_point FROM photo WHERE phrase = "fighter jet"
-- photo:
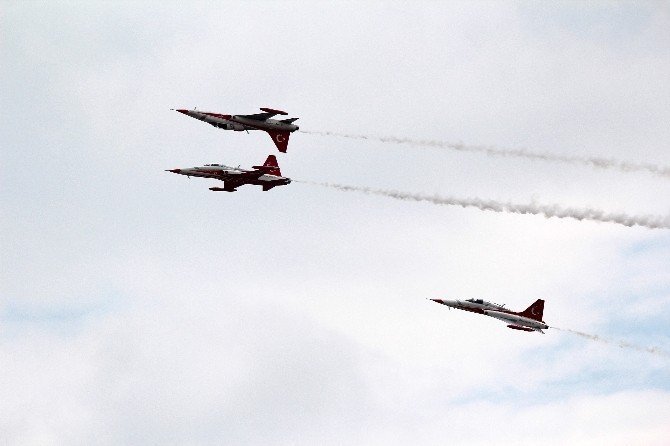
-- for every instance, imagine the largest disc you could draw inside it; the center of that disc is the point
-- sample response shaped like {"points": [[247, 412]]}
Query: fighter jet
{"points": [[529, 319], [268, 175], [279, 130]]}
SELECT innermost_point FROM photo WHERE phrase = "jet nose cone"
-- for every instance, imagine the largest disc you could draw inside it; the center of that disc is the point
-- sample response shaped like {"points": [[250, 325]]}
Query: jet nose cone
{"points": [[184, 111], [173, 170], [439, 301]]}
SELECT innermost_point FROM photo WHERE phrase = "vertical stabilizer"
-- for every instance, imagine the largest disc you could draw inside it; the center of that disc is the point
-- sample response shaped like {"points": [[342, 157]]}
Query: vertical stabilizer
{"points": [[280, 139], [534, 311], [270, 167]]}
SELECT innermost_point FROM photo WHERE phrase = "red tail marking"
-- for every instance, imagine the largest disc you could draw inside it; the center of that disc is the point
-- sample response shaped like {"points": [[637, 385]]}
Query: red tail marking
{"points": [[271, 167], [534, 311], [280, 139]]}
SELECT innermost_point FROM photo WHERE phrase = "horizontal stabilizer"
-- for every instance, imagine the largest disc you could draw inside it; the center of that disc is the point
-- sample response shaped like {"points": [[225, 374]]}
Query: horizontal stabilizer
{"points": [[289, 120]]}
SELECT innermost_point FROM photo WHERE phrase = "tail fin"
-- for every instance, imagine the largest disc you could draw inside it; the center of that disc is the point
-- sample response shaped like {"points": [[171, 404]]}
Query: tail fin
{"points": [[534, 311], [270, 166], [280, 139]]}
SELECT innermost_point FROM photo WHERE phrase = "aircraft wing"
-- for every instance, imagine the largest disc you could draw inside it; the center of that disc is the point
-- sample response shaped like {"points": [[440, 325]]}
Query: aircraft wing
{"points": [[252, 174], [268, 113], [231, 186], [228, 186]]}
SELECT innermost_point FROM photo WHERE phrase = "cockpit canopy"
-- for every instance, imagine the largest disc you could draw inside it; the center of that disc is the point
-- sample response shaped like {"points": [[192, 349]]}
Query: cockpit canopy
{"points": [[483, 302], [213, 165]]}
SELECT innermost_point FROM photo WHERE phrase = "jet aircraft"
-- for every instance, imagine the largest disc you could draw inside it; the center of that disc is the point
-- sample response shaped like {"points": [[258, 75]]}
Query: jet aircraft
{"points": [[529, 319], [279, 130], [268, 175]]}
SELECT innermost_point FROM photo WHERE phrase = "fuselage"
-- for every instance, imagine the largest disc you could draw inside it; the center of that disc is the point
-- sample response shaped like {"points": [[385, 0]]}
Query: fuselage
{"points": [[472, 305], [233, 174], [239, 123], [517, 321]]}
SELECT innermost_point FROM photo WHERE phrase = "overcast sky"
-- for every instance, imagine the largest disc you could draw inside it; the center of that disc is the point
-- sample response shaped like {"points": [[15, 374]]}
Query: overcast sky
{"points": [[138, 307]]}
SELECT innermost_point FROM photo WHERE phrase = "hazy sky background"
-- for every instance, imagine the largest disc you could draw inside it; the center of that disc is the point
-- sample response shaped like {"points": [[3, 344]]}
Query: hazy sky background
{"points": [[138, 307]]}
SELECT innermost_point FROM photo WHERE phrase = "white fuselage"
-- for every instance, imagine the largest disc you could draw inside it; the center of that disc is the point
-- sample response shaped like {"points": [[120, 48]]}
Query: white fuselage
{"points": [[466, 305], [480, 306], [234, 177], [221, 172]]}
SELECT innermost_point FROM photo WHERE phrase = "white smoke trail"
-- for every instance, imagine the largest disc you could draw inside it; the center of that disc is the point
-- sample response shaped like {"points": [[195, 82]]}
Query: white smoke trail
{"points": [[601, 163], [621, 344], [548, 211]]}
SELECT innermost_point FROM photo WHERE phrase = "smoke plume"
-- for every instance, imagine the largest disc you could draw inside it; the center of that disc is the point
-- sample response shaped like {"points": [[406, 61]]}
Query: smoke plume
{"points": [[621, 344], [601, 163], [548, 211]]}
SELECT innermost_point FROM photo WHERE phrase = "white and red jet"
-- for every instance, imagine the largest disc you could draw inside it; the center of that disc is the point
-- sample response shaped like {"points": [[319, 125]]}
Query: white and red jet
{"points": [[268, 175], [279, 130], [529, 319]]}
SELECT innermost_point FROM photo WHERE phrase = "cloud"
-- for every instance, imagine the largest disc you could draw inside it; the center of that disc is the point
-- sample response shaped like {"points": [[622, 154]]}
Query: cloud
{"points": [[249, 374]]}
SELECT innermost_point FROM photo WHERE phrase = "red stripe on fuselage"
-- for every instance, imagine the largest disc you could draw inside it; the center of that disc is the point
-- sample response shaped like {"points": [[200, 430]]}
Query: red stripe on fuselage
{"points": [[218, 115]]}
